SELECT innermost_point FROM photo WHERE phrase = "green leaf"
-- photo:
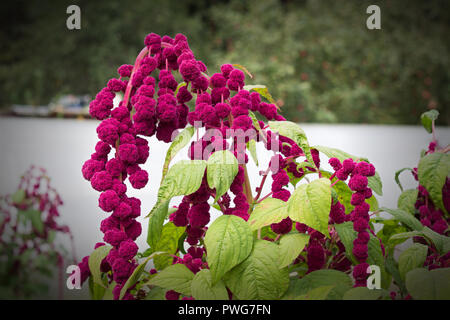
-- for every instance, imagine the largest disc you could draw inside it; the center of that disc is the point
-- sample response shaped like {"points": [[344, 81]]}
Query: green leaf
{"points": [[181, 84], [266, 212], [427, 119], [363, 293], [429, 285], [134, 278], [36, 220], [402, 237], [390, 228], [258, 277], [168, 243], [155, 223], [290, 247], [175, 277], [310, 204], [18, 196], [407, 200], [375, 184], [397, 179], [441, 242], [243, 69], [251, 146], [203, 289], [97, 291], [183, 178], [254, 121], [221, 168], [262, 90], [292, 131], [180, 141], [339, 281], [94, 262], [433, 170], [405, 218], [319, 293], [392, 267], [156, 293], [228, 241], [412, 258]]}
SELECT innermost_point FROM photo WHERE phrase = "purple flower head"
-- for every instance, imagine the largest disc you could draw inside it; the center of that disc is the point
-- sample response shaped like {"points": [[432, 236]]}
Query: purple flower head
{"points": [[189, 70], [90, 167], [217, 80], [282, 227], [101, 181], [128, 152], [108, 200], [358, 183], [125, 70], [139, 179], [128, 249], [114, 237]]}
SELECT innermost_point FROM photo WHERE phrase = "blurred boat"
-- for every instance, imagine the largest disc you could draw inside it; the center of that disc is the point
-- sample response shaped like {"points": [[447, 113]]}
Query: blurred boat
{"points": [[30, 111], [70, 106], [66, 106]]}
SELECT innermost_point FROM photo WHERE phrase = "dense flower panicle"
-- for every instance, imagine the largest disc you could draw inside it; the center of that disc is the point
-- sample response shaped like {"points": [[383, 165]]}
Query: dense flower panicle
{"points": [[122, 149]]}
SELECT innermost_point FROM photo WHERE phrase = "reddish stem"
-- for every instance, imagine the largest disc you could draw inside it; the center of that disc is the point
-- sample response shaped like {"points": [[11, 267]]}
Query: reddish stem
{"points": [[136, 66]]}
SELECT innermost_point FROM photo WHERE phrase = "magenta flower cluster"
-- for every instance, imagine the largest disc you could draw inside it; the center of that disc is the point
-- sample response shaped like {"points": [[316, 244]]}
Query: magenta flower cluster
{"points": [[156, 105], [358, 183]]}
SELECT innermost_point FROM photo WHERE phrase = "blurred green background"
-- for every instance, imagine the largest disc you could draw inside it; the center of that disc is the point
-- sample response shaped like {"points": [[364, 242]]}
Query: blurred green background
{"points": [[318, 59]]}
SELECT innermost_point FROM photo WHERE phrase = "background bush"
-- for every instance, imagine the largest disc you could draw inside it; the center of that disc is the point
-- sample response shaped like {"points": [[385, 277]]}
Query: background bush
{"points": [[317, 57]]}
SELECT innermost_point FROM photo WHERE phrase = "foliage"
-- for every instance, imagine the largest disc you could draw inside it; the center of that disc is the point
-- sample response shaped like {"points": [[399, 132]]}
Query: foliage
{"points": [[319, 59], [30, 255]]}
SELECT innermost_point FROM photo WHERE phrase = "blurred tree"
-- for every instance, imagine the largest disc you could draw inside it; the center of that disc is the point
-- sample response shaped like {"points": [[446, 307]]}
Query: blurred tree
{"points": [[317, 57]]}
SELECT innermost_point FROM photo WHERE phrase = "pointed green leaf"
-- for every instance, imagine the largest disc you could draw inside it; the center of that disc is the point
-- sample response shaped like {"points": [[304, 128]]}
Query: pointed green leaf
{"points": [[183, 178], [427, 119], [251, 146], [134, 278], [243, 69], [168, 243], [412, 258], [175, 277], [262, 90], [429, 285], [319, 293], [268, 211], [310, 204], [222, 168], [339, 281], [180, 141], [228, 241], [433, 170], [258, 277], [292, 131], [407, 200], [94, 262], [203, 289], [290, 247], [405, 218]]}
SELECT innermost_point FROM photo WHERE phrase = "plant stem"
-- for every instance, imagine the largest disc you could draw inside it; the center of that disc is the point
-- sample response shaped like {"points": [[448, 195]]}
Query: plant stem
{"points": [[265, 197]]}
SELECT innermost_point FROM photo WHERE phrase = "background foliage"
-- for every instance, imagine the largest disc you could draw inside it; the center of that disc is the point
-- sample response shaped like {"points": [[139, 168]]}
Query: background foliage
{"points": [[317, 57]]}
